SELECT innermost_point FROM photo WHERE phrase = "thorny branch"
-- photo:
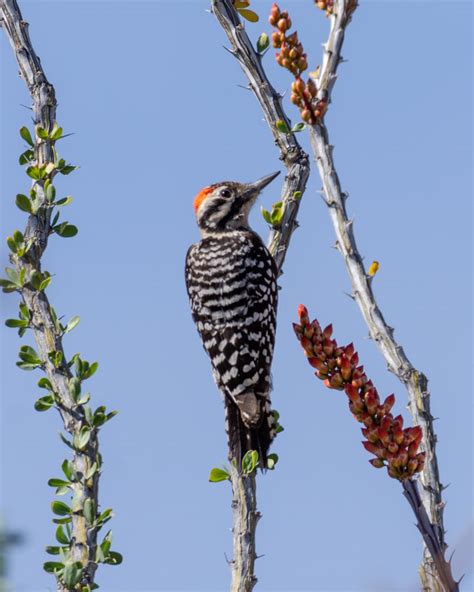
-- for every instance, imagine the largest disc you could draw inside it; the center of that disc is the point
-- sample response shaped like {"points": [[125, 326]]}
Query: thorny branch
{"points": [[414, 381], [43, 323], [293, 156], [296, 161]]}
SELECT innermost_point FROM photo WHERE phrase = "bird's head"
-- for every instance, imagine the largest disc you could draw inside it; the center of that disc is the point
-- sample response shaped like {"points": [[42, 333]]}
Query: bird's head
{"points": [[225, 206]]}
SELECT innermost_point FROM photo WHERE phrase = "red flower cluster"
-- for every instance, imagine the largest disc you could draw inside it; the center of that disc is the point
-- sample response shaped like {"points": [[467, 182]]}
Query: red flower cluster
{"points": [[292, 57], [394, 447]]}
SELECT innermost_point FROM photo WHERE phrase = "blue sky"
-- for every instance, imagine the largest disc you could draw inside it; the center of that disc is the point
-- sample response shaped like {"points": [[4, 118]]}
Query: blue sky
{"points": [[157, 113]]}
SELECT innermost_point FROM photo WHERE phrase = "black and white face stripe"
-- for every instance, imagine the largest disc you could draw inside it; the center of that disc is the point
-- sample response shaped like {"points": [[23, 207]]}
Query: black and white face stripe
{"points": [[225, 208]]}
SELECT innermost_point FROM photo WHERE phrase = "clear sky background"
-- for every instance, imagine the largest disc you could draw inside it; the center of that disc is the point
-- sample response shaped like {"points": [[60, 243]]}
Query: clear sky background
{"points": [[157, 113]]}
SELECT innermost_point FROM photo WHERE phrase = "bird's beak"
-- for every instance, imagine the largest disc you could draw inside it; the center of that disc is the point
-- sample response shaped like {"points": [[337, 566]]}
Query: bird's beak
{"points": [[253, 189]]}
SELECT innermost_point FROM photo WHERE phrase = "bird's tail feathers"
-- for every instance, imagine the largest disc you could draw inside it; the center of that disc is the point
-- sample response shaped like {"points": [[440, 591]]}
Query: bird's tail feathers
{"points": [[242, 438]]}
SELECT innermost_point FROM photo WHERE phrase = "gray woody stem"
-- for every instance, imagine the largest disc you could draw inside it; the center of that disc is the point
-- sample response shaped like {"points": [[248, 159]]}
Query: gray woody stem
{"points": [[244, 501], [414, 381], [46, 334], [245, 518]]}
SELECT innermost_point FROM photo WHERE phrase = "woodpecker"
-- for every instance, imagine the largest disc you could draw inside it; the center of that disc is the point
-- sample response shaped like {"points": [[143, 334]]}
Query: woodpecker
{"points": [[231, 279]]}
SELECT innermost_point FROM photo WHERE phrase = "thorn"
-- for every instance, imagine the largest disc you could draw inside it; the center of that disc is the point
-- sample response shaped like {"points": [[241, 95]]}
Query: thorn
{"points": [[345, 195], [229, 561], [231, 51], [244, 87], [350, 222], [259, 556], [296, 224], [351, 296], [26, 107], [443, 487]]}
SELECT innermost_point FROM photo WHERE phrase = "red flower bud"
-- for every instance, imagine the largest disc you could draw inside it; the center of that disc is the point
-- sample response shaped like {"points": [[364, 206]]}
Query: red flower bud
{"points": [[377, 463], [349, 350], [292, 39], [388, 403], [306, 115], [313, 91], [412, 465], [354, 358], [316, 363], [327, 332], [322, 374], [392, 447], [303, 314], [283, 25], [307, 345], [377, 450], [337, 381], [346, 369]]}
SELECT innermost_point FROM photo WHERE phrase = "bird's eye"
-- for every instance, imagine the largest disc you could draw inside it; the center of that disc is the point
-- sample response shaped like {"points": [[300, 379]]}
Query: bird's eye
{"points": [[225, 193]]}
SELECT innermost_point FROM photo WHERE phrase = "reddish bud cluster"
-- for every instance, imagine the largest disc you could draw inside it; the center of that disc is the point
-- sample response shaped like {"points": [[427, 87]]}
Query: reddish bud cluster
{"points": [[393, 446], [292, 57], [327, 5]]}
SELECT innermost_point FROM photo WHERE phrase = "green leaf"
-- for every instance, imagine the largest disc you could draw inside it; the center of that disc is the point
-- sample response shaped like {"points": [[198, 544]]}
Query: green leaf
{"points": [[15, 323], [45, 283], [105, 517], [34, 172], [24, 312], [62, 520], [91, 370], [277, 215], [72, 324], [41, 132], [35, 279], [45, 383], [53, 550], [66, 230], [58, 483], [74, 386], [12, 244], [67, 169], [60, 508], [68, 470], [61, 536], [44, 403], [266, 215], [50, 192], [23, 203], [26, 157], [217, 475], [272, 460], [299, 127], [89, 510], [53, 566], [282, 127], [56, 132], [249, 462], [263, 42], [25, 134], [64, 201], [18, 237], [114, 558], [82, 439], [72, 574], [91, 472]]}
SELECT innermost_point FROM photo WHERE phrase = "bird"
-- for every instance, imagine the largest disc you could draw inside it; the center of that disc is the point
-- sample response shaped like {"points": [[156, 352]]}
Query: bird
{"points": [[231, 280]]}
